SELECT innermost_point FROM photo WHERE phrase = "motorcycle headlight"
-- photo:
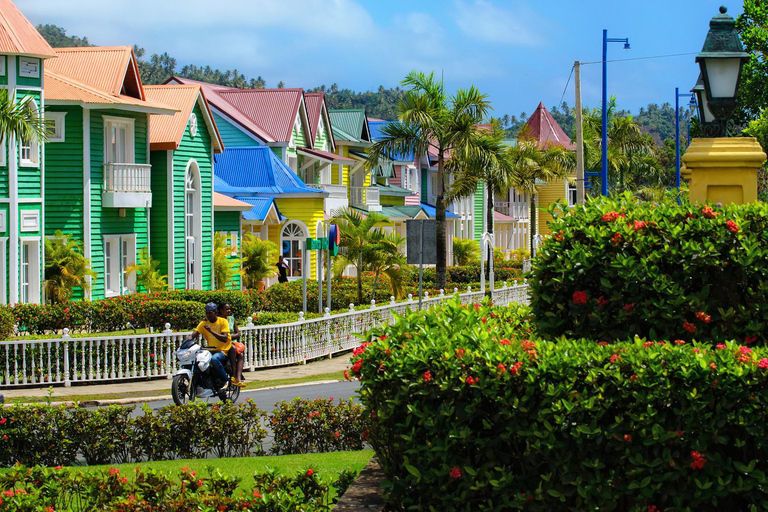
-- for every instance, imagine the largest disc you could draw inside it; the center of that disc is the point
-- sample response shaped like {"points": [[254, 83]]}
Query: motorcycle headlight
{"points": [[183, 354]]}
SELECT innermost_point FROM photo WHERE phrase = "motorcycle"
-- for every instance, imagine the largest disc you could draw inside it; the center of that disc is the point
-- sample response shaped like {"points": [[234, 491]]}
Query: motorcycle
{"points": [[194, 379]]}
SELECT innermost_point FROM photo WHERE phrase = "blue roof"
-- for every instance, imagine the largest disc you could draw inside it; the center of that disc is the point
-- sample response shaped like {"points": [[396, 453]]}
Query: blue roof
{"points": [[377, 128], [430, 211], [261, 206], [256, 170]]}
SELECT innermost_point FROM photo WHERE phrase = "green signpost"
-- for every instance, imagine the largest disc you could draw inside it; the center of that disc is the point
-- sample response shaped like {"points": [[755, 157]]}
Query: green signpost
{"points": [[330, 244]]}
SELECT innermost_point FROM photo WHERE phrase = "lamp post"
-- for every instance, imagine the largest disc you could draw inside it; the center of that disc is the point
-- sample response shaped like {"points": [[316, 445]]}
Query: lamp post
{"points": [[604, 168]]}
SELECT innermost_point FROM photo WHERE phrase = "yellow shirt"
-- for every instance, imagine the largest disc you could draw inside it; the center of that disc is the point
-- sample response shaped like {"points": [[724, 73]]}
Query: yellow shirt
{"points": [[220, 326]]}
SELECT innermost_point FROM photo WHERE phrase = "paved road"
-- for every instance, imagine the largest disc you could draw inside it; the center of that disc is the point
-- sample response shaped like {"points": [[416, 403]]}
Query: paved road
{"points": [[267, 398]]}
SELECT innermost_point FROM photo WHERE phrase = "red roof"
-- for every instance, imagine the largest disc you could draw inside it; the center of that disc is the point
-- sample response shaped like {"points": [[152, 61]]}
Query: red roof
{"points": [[543, 128], [274, 110], [314, 103]]}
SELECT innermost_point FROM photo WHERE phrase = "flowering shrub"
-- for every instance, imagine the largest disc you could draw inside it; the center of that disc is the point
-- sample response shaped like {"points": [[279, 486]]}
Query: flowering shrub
{"points": [[471, 410], [503, 270], [6, 322], [49, 489], [181, 314], [619, 268]]}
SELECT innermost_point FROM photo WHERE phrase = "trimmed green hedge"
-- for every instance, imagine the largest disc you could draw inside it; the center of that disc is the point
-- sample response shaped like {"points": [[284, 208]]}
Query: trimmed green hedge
{"points": [[616, 268], [472, 412]]}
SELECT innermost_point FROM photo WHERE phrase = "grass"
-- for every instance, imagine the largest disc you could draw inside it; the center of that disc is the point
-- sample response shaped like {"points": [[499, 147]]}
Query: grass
{"points": [[328, 466], [251, 385]]}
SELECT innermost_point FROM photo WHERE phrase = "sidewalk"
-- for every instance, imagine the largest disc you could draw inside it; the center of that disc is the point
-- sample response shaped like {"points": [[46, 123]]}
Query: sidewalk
{"points": [[160, 388]]}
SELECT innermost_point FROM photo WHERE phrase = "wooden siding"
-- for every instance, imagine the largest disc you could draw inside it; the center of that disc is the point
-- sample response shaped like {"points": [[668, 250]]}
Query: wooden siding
{"points": [[424, 185], [232, 136], [64, 177], [229, 222], [321, 137], [106, 221], [548, 194], [398, 178], [392, 200], [308, 211], [30, 184], [158, 215]]}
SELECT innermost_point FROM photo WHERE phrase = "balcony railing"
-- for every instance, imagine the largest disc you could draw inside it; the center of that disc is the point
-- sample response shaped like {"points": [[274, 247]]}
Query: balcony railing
{"points": [[516, 209], [127, 185], [365, 196], [336, 191]]}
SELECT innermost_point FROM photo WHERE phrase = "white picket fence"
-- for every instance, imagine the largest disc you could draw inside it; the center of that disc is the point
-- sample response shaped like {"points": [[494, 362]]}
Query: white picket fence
{"points": [[67, 360]]}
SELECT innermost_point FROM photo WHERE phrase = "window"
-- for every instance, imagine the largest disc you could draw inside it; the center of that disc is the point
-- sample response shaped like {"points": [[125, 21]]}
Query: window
{"points": [[293, 163], [119, 254], [293, 236], [29, 67], [29, 150], [193, 227], [29, 271], [30, 220], [55, 126], [192, 125], [118, 140], [572, 195], [2, 65], [2, 225]]}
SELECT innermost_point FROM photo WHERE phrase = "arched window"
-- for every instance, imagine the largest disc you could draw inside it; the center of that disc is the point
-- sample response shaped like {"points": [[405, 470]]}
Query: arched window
{"points": [[292, 236], [193, 227], [29, 149]]}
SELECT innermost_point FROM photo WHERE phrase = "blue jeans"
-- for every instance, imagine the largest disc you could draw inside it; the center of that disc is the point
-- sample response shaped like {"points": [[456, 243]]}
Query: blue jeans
{"points": [[217, 366]]}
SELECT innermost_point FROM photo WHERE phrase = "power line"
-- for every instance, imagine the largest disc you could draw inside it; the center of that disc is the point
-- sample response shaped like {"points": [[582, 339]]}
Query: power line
{"points": [[566, 86], [643, 58]]}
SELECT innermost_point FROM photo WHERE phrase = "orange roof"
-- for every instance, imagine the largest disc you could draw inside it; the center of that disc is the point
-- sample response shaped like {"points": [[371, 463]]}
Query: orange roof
{"points": [[166, 132], [110, 68], [18, 36], [225, 202], [59, 87]]}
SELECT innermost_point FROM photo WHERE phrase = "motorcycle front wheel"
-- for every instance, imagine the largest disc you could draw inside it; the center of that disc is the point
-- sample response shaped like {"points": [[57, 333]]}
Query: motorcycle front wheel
{"points": [[182, 390]]}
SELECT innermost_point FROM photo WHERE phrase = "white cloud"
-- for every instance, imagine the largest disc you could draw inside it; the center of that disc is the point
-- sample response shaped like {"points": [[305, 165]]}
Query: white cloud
{"points": [[484, 21]]}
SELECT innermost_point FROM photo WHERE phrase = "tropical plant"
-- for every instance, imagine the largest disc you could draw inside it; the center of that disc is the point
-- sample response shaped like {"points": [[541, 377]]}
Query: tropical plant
{"points": [[18, 120], [147, 275], [225, 266], [257, 261], [432, 122], [357, 234], [383, 257], [65, 268], [466, 252]]}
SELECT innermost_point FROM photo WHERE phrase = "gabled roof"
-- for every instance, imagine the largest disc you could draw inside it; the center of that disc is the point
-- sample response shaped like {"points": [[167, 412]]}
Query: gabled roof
{"points": [[166, 132], [60, 88], [543, 128], [110, 68], [377, 128], [256, 170], [350, 125], [212, 94], [228, 204], [274, 110], [317, 109], [261, 208], [18, 36]]}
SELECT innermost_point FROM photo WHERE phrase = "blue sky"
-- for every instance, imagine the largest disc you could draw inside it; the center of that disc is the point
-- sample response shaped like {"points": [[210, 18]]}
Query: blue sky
{"points": [[518, 52]]}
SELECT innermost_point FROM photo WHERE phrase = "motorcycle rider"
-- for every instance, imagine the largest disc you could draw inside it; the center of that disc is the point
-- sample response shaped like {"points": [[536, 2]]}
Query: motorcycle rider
{"points": [[215, 331]]}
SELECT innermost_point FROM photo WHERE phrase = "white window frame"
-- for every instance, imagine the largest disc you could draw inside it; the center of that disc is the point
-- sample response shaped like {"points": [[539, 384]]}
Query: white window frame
{"points": [[232, 242], [33, 266], [127, 258], [112, 266], [3, 153], [193, 224], [3, 226], [34, 146], [3, 270], [55, 124], [2, 65], [570, 194], [130, 148], [29, 67], [192, 125], [301, 239], [126, 283], [29, 221]]}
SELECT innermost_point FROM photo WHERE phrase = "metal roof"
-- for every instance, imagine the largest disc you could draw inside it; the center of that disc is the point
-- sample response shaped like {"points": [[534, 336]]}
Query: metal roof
{"points": [[350, 125], [260, 207], [274, 110], [166, 132], [377, 128], [226, 203], [18, 36], [430, 211], [393, 190], [315, 102], [543, 128], [500, 217], [110, 68], [257, 170], [385, 169], [325, 156], [62, 88]]}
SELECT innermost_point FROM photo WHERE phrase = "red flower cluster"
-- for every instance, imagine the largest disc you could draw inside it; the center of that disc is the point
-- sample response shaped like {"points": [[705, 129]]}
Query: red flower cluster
{"points": [[515, 368], [472, 380], [460, 352], [616, 238], [615, 357], [745, 355], [310, 472], [427, 376], [629, 307], [601, 301], [648, 344], [688, 326], [703, 317], [455, 473], [627, 438], [698, 460], [763, 364], [639, 224], [359, 350], [721, 346], [653, 508], [679, 342], [610, 216], [580, 297], [505, 341], [750, 339], [709, 212], [732, 227]]}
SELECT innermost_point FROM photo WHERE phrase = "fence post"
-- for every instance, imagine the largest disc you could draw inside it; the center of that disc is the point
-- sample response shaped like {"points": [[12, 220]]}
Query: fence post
{"points": [[410, 297], [328, 341], [391, 300], [168, 364], [456, 290], [249, 351], [351, 308], [303, 339], [426, 295], [65, 341]]}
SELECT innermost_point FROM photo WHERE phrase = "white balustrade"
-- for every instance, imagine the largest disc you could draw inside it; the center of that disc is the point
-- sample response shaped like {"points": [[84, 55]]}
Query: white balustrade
{"points": [[335, 191], [128, 178]]}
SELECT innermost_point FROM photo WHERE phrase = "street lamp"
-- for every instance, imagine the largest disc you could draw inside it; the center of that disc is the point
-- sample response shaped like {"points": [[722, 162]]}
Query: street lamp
{"points": [[721, 61], [604, 168], [691, 103]]}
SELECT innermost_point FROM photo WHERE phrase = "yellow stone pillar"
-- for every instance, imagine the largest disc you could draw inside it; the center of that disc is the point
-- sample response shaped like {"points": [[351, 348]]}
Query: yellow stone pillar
{"points": [[723, 170]]}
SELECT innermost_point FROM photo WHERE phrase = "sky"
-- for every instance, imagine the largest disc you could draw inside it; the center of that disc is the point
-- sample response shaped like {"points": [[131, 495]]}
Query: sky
{"points": [[518, 52]]}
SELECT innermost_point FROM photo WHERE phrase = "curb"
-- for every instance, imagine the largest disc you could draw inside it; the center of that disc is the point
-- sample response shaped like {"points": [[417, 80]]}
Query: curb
{"points": [[139, 400]]}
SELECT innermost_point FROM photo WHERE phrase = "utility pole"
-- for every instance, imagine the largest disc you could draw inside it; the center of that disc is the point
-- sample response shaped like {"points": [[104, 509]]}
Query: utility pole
{"points": [[580, 182]]}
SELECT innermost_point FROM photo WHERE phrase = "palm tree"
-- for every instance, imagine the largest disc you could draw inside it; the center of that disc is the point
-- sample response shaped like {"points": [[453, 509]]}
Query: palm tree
{"points": [[357, 237], [147, 274], [258, 261], [65, 268], [433, 122], [383, 257], [466, 252], [224, 265], [18, 120]]}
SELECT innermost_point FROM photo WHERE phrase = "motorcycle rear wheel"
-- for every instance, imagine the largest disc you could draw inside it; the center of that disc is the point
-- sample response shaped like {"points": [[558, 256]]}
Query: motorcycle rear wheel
{"points": [[182, 390], [231, 394]]}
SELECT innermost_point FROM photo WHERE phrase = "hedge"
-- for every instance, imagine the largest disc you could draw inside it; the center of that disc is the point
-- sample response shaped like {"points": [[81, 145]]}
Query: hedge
{"points": [[471, 411], [616, 268], [39, 488], [52, 435]]}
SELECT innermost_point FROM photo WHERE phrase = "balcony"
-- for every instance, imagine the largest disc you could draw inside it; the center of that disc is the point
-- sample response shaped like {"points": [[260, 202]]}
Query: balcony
{"points": [[514, 209], [336, 201], [367, 197], [127, 186]]}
